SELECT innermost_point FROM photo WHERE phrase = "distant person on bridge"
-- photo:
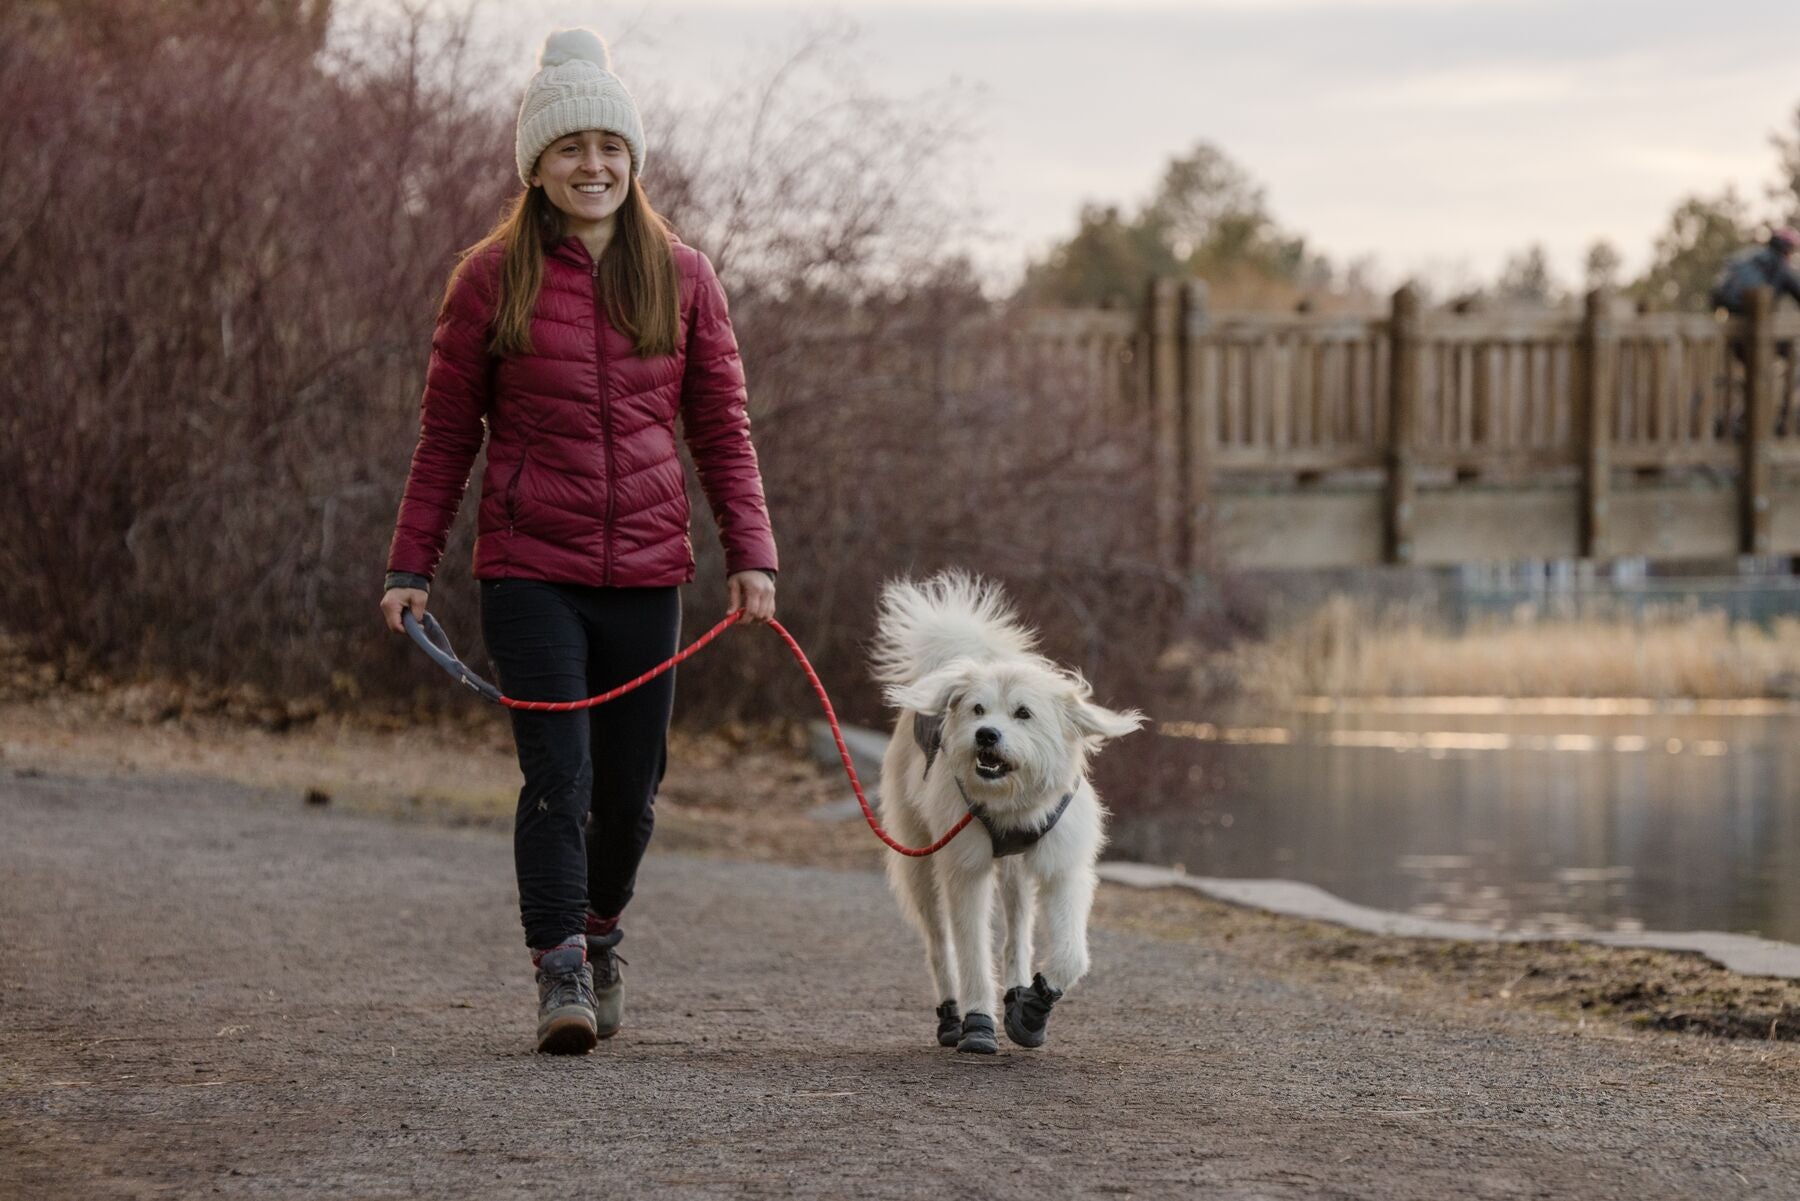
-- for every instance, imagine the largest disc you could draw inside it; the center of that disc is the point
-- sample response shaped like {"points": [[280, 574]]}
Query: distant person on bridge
{"points": [[573, 338], [1767, 266]]}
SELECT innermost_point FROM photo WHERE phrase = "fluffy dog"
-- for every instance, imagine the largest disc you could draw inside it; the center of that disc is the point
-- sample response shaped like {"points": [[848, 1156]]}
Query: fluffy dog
{"points": [[990, 727]]}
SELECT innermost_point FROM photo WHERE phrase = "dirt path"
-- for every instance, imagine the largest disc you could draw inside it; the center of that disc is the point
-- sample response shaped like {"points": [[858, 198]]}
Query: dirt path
{"points": [[206, 989]]}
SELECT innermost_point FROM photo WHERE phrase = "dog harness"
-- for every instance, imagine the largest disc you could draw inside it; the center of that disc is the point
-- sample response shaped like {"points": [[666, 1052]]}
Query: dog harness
{"points": [[1014, 842], [928, 732]]}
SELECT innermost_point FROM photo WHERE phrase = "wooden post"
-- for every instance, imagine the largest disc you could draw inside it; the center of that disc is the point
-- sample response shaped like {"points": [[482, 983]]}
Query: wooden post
{"points": [[1599, 350], [1168, 433], [1758, 334], [1200, 401], [1403, 405]]}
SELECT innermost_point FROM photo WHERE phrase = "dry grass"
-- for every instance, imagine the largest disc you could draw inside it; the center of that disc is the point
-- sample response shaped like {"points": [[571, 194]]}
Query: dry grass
{"points": [[1344, 649]]}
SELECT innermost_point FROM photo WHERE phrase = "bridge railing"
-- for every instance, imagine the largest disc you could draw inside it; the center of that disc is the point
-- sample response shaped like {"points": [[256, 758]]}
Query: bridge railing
{"points": [[1300, 393], [1676, 388], [1557, 396], [1497, 393]]}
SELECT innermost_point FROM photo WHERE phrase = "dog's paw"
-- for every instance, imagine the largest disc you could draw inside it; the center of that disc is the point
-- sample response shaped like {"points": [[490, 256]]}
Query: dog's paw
{"points": [[950, 1024], [978, 1035], [1028, 1011]]}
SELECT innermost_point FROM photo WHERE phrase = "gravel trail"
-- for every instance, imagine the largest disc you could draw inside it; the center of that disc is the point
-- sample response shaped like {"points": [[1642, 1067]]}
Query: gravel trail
{"points": [[211, 990]]}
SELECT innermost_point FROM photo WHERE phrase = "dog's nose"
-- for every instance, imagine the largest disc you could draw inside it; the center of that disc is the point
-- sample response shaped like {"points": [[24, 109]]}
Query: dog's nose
{"points": [[987, 736]]}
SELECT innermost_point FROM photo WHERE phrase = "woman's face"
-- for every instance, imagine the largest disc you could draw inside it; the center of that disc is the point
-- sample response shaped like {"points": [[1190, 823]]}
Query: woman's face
{"points": [[587, 175]]}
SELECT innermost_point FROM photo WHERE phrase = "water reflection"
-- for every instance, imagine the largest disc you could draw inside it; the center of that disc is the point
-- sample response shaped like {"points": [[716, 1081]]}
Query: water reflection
{"points": [[1565, 818]]}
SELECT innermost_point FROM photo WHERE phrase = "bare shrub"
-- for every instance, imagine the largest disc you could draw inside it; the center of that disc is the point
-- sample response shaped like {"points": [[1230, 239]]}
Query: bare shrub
{"points": [[223, 254], [222, 249]]}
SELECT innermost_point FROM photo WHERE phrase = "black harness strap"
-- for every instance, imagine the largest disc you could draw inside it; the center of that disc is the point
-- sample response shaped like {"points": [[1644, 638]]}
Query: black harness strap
{"points": [[1014, 842]]}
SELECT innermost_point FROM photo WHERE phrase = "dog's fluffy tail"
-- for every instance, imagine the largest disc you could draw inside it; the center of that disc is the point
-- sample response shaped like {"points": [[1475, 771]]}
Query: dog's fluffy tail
{"points": [[924, 625]]}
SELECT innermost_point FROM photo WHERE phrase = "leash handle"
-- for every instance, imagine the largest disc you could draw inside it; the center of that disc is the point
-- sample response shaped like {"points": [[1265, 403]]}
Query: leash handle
{"points": [[436, 643]]}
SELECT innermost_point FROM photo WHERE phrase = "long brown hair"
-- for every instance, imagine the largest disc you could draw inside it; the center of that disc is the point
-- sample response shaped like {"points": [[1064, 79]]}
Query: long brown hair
{"points": [[637, 272]]}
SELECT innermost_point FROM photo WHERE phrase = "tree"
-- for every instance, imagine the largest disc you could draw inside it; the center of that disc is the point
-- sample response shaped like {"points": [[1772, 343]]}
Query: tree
{"points": [[1105, 262], [1204, 200], [1686, 258], [135, 25], [1207, 217], [1601, 269], [1526, 279]]}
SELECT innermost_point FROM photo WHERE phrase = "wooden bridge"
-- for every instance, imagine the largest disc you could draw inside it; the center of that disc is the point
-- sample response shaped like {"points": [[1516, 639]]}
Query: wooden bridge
{"points": [[1427, 437]]}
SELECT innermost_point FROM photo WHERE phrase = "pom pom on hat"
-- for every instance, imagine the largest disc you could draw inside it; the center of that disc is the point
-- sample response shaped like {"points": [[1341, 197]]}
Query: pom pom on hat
{"points": [[575, 45], [574, 89]]}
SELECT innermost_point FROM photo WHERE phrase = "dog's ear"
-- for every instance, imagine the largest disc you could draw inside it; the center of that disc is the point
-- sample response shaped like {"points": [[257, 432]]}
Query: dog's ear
{"points": [[1096, 721], [935, 693]]}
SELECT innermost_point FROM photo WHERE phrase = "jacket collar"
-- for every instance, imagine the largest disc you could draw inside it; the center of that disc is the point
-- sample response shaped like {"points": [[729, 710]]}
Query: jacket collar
{"points": [[573, 251]]}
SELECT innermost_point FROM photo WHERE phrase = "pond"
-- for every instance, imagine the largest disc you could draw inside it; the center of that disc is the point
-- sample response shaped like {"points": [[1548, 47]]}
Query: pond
{"points": [[1550, 816]]}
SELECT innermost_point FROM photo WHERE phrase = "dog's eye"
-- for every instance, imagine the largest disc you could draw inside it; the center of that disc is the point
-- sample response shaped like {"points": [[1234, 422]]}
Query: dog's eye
{"points": [[978, 710], [1022, 713]]}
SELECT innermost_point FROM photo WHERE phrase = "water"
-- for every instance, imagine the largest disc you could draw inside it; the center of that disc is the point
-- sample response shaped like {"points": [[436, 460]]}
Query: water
{"points": [[1576, 816]]}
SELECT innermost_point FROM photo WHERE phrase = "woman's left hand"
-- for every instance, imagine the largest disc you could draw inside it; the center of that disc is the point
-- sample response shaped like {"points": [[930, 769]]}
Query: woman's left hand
{"points": [[753, 592]]}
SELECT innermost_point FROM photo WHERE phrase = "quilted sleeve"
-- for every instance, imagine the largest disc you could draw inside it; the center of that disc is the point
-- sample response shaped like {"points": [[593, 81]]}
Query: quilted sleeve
{"points": [[717, 428], [452, 416]]}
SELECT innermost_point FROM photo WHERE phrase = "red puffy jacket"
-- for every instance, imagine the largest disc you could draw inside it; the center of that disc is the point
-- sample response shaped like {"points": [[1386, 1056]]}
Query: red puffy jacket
{"points": [[583, 482]]}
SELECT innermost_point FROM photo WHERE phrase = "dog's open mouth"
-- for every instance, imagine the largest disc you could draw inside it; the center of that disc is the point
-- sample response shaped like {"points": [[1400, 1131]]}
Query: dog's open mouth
{"points": [[991, 765]]}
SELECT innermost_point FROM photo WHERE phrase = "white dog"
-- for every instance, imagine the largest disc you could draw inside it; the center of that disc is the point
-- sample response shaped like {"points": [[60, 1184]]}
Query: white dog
{"points": [[991, 728]]}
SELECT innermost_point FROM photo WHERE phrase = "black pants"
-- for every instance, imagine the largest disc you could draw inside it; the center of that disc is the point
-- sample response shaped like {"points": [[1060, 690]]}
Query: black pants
{"points": [[585, 812]]}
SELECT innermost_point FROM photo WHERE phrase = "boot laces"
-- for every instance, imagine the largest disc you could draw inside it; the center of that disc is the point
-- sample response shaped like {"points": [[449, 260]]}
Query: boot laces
{"points": [[568, 986]]}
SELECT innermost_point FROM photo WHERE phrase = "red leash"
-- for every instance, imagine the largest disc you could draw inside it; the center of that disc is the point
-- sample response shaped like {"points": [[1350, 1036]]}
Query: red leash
{"points": [[436, 643]]}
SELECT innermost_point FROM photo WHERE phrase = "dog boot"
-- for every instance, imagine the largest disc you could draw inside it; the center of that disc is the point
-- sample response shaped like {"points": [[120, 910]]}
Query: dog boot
{"points": [[565, 999], [950, 1026], [978, 1035], [609, 991], [1028, 1011]]}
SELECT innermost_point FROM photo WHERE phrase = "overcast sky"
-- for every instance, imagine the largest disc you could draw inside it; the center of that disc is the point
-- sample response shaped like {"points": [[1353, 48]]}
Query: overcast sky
{"points": [[1435, 135]]}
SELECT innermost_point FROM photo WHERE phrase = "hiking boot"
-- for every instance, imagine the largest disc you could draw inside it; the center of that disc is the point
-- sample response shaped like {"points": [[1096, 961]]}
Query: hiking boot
{"points": [[978, 1035], [566, 1024], [949, 1024], [609, 992], [1028, 1011]]}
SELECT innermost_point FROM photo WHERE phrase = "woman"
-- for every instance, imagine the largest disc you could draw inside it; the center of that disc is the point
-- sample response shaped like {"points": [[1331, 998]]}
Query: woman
{"points": [[576, 333]]}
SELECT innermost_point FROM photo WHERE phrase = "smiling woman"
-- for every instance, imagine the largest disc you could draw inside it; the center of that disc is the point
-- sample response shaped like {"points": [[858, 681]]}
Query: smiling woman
{"points": [[574, 338]]}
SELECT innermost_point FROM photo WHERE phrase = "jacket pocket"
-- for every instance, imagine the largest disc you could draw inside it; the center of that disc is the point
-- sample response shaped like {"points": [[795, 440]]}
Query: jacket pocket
{"points": [[512, 490]]}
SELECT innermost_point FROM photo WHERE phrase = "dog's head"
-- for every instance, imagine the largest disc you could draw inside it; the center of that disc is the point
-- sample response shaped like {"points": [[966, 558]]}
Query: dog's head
{"points": [[1014, 727]]}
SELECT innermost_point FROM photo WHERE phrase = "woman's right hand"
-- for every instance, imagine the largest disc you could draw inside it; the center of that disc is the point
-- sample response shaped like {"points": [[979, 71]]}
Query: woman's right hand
{"points": [[396, 601]]}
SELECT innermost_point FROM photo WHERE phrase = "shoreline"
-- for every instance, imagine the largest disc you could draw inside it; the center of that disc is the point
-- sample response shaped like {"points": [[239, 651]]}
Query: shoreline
{"points": [[1742, 954]]}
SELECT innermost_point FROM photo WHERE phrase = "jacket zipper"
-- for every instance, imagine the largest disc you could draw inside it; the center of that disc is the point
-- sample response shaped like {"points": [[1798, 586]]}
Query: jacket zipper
{"points": [[606, 533]]}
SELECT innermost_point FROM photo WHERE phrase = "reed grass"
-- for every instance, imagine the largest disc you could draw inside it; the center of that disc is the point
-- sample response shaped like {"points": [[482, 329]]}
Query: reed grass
{"points": [[1344, 648]]}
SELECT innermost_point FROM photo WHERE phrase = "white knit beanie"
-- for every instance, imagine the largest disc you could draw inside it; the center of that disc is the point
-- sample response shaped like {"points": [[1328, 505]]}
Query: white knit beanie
{"points": [[574, 90]]}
